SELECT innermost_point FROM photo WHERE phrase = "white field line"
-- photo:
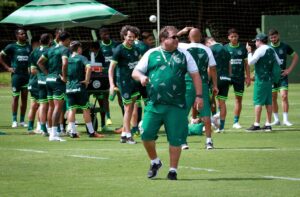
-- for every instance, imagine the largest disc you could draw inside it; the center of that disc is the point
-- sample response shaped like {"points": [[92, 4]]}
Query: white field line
{"points": [[31, 150], [199, 169], [87, 157], [282, 178]]}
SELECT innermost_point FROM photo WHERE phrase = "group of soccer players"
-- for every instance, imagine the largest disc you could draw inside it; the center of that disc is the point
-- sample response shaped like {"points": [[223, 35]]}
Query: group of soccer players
{"points": [[172, 79]]}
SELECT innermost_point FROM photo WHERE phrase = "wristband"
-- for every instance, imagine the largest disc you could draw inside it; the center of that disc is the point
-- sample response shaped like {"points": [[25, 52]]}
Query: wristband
{"points": [[199, 95]]}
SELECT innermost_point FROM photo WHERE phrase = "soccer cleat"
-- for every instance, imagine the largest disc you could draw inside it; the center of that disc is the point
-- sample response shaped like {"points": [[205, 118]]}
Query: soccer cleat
{"points": [[152, 173], [130, 140], [23, 124], [184, 146], [38, 131], [108, 121], [123, 139], [236, 126], [172, 175], [74, 135], [14, 124], [96, 135], [56, 138], [253, 128], [276, 122], [209, 145], [45, 134], [266, 128], [287, 123], [219, 131]]}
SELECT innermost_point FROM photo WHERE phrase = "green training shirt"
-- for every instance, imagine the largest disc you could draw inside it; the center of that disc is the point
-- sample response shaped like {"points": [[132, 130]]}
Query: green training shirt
{"points": [[238, 58]]}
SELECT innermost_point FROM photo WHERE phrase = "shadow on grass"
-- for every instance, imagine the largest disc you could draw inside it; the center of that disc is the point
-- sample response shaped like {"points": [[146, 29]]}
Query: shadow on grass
{"points": [[218, 179]]}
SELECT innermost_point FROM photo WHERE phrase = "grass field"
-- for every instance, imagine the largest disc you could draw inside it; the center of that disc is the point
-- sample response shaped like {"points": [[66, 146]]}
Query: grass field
{"points": [[242, 164]]}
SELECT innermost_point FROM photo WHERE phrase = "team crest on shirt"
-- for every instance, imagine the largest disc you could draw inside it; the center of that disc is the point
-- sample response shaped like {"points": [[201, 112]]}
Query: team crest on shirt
{"points": [[126, 96], [13, 89], [28, 50], [177, 59], [280, 52], [239, 52]]}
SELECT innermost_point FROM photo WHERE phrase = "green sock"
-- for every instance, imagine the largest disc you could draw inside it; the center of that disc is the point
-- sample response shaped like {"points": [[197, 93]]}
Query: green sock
{"points": [[14, 116], [222, 124], [43, 127], [108, 115], [236, 119], [30, 125], [22, 118]]}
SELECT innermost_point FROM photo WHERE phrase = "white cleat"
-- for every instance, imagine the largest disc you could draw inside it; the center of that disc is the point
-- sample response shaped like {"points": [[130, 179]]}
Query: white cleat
{"points": [[14, 124], [276, 122], [56, 138], [287, 123], [23, 124], [184, 147], [219, 131], [236, 126]]}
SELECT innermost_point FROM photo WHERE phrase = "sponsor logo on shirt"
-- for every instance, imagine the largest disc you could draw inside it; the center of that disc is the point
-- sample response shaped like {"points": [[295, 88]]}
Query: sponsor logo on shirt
{"points": [[22, 58], [236, 61]]}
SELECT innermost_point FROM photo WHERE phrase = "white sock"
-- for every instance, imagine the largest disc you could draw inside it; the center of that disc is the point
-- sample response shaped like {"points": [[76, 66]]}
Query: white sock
{"points": [[38, 126], [90, 127], [173, 169], [276, 117], [208, 140], [256, 124], [285, 116], [267, 124], [61, 126], [123, 134], [72, 127], [49, 130], [155, 161], [128, 134], [54, 131]]}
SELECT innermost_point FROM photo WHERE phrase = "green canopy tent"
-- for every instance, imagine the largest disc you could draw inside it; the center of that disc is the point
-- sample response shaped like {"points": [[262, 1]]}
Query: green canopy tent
{"points": [[65, 14]]}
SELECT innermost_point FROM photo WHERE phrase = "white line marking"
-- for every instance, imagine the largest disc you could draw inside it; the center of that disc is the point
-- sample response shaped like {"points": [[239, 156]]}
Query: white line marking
{"points": [[283, 178], [200, 169], [31, 150], [87, 157]]}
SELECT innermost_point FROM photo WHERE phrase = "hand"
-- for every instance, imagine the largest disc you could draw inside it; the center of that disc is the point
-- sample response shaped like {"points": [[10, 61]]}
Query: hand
{"points": [[10, 69], [249, 48], [184, 31], [285, 72], [63, 79], [248, 81], [144, 80], [85, 82], [215, 90], [198, 104]]}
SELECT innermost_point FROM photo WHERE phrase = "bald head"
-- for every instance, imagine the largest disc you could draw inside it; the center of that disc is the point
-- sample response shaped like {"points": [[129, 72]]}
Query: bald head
{"points": [[195, 35]]}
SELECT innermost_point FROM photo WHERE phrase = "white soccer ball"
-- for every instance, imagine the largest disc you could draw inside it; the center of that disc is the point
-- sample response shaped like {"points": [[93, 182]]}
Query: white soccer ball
{"points": [[152, 18]]}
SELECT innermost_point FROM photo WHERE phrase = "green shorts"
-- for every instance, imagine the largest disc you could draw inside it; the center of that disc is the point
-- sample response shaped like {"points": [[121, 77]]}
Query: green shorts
{"points": [[190, 99], [18, 83], [34, 93], [262, 93], [282, 85], [56, 89], [128, 91], [238, 86], [223, 86], [173, 118], [78, 100], [42, 93]]}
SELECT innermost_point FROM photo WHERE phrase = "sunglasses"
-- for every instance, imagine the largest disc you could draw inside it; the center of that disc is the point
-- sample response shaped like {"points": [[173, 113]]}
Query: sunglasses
{"points": [[174, 37]]}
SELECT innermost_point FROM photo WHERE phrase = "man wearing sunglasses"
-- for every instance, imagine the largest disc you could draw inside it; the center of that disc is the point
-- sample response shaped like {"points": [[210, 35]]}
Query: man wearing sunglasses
{"points": [[162, 70]]}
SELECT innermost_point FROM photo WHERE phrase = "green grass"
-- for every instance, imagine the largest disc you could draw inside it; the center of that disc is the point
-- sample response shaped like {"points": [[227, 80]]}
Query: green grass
{"points": [[5, 78], [239, 166]]}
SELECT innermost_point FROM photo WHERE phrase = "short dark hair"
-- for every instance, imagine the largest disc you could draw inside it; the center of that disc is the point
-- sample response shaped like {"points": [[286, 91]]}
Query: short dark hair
{"points": [[19, 29], [45, 39], [208, 38], [127, 28], [164, 32], [232, 31], [273, 31], [74, 45], [64, 35], [146, 35], [103, 30]]}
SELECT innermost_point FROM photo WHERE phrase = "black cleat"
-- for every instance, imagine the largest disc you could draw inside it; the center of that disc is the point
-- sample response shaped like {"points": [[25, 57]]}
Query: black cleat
{"points": [[74, 135], [123, 139], [172, 175], [130, 140], [266, 128], [152, 173], [253, 128]]}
